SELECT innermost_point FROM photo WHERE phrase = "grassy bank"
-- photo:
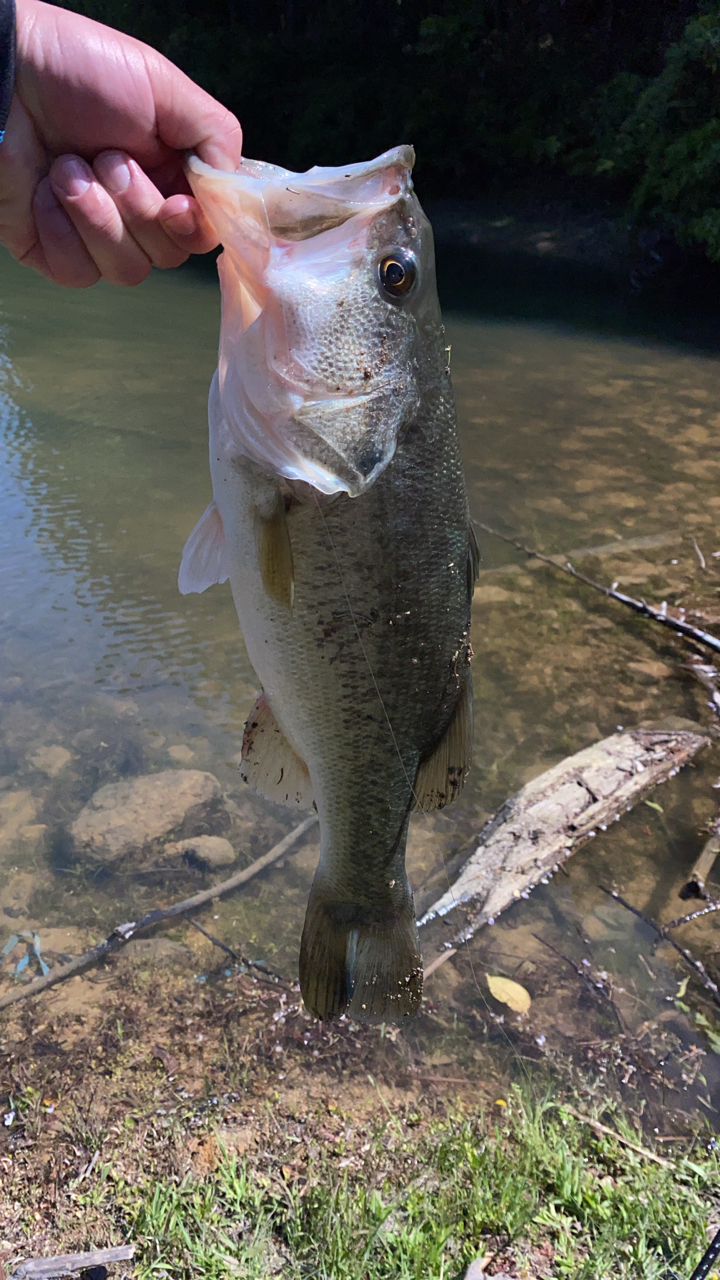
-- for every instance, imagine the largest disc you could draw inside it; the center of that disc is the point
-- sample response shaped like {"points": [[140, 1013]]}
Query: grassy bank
{"points": [[536, 1189], [413, 1196], [225, 1133]]}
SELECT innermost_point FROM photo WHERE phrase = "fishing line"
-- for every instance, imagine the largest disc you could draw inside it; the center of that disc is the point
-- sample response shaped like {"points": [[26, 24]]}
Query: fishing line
{"points": [[410, 783]]}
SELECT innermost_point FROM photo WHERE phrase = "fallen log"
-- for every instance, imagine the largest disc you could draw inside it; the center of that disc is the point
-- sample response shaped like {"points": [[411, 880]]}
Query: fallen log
{"points": [[557, 812]]}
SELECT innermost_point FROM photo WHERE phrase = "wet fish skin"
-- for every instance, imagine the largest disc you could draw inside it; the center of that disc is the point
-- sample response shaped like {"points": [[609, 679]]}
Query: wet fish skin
{"points": [[364, 663]]}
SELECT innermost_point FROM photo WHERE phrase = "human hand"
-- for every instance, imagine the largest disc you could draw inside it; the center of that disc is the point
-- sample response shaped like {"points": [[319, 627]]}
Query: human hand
{"points": [[91, 167]]}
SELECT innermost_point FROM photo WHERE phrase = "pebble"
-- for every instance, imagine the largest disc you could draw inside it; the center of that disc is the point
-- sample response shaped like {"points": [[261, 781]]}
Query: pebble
{"points": [[210, 851]]}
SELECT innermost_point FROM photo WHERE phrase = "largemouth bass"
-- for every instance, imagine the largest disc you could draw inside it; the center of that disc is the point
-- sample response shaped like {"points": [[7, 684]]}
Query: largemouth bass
{"points": [[341, 519]]}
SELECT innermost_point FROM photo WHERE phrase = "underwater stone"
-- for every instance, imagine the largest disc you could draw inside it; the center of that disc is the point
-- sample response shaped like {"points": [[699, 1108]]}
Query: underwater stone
{"points": [[51, 760], [18, 810], [210, 851], [129, 816]]}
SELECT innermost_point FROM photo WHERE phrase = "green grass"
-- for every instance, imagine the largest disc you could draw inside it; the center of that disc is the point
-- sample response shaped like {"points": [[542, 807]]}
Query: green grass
{"points": [[427, 1200]]}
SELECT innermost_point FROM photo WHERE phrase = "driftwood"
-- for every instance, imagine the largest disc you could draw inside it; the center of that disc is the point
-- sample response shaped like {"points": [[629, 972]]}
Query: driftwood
{"points": [[67, 1264], [124, 932], [638, 606], [557, 812]]}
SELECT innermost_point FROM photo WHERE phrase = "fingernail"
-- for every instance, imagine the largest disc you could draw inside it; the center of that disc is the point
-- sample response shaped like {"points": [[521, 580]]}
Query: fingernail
{"points": [[223, 162], [181, 224], [71, 177], [45, 197], [53, 223], [113, 172]]}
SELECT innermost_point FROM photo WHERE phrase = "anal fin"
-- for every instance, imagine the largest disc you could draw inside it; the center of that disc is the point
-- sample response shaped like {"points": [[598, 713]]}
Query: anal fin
{"points": [[441, 777], [269, 764]]}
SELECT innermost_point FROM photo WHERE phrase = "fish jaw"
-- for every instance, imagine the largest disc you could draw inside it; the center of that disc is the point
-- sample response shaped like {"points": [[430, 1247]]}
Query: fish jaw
{"points": [[319, 370]]}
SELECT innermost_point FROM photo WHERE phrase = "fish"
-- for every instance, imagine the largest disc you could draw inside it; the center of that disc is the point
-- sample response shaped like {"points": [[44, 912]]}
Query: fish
{"points": [[340, 519]]}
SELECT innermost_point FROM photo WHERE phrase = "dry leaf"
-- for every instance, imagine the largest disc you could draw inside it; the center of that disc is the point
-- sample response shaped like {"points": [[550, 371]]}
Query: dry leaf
{"points": [[509, 993]]}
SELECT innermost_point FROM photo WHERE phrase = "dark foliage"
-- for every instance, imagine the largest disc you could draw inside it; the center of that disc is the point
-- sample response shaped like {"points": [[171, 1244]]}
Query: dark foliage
{"points": [[620, 93]]}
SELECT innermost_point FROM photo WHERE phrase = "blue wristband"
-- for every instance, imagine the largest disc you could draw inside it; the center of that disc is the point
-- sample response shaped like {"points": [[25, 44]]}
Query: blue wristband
{"points": [[7, 60]]}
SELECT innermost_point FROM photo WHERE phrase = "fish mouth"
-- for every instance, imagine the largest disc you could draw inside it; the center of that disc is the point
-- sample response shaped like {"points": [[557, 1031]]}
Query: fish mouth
{"points": [[299, 206]]}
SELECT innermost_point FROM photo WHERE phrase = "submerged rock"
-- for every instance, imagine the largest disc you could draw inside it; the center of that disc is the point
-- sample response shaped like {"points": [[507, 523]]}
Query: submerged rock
{"points": [[136, 814], [207, 851], [18, 829], [51, 760], [153, 953]]}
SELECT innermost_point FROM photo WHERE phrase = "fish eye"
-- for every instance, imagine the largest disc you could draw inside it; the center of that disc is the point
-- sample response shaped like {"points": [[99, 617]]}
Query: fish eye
{"points": [[397, 273]]}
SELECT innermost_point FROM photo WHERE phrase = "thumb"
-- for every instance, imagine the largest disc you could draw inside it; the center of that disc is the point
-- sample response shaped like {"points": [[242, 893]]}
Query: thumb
{"points": [[189, 119]]}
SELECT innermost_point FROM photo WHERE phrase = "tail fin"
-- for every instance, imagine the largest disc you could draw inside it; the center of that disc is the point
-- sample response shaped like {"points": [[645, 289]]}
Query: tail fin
{"points": [[353, 963]]}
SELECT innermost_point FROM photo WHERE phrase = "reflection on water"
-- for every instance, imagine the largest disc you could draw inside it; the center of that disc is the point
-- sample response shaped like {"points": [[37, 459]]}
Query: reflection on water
{"points": [[570, 440]]}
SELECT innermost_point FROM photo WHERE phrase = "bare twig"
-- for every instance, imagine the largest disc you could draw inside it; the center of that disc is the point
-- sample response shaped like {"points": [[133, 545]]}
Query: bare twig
{"points": [[67, 1263], [273, 979], [560, 955], [215, 941], [124, 932], [604, 988], [694, 915], [708, 678], [610, 1133], [699, 553], [435, 964], [695, 887], [638, 606], [687, 956]]}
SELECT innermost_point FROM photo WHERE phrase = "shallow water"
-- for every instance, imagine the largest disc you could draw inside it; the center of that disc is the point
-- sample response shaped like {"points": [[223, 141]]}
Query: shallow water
{"points": [[571, 440]]}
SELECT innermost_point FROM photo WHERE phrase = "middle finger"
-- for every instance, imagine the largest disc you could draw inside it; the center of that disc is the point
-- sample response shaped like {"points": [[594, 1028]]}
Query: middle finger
{"points": [[118, 256], [139, 202]]}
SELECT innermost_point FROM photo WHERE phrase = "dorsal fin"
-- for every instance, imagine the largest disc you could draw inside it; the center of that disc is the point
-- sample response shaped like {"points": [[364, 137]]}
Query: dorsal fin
{"points": [[269, 764], [441, 777], [204, 560]]}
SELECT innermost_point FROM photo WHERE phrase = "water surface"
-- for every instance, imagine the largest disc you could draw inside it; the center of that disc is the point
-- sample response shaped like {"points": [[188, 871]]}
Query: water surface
{"points": [[571, 439]]}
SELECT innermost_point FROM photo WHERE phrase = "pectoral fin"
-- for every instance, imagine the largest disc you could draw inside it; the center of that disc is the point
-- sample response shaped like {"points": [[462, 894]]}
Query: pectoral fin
{"points": [[269, 764], [441, 777], [204, 559], [275, 554]]}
